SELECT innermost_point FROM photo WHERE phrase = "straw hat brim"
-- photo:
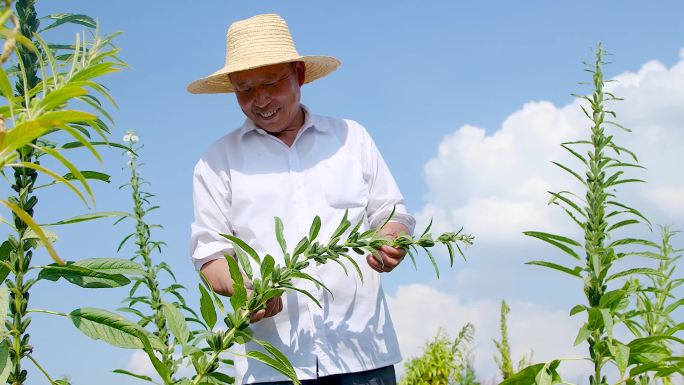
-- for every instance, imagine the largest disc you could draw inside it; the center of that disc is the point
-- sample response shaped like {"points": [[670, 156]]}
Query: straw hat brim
{"points": [[218, 82]]}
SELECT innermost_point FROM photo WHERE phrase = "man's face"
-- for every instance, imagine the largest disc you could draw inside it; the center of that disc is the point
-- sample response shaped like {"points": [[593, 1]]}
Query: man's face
{"points": [[269, 95]]}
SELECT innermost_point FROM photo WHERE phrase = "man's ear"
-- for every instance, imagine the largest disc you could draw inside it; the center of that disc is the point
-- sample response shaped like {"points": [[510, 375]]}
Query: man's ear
{"points": [[300, 69]]}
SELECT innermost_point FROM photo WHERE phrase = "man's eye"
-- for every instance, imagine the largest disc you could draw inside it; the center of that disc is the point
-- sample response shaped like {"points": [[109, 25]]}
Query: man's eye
{"points": [[245, 91]]}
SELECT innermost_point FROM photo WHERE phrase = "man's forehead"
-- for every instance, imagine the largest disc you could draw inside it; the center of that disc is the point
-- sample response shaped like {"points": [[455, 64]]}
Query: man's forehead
{"points": [[266, 72]]}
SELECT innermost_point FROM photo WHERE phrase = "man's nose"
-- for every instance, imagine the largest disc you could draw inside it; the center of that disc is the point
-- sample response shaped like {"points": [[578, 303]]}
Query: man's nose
{"points": [[261, 97]]}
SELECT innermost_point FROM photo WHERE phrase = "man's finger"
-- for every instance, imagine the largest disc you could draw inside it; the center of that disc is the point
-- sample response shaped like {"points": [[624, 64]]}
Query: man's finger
{"points": [[257, 315]]}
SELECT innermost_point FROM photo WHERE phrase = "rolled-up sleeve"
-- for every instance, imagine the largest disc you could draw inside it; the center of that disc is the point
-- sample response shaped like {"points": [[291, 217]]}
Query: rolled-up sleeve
{"points": [[211, 200], [384, 195]]}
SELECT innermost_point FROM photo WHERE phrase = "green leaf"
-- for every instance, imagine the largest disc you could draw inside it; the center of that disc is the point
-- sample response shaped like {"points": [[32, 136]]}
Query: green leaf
{"points": [[111, 266], [639, 270], [432, 260], [315, 227], [5, 85], [33, 226], [138, 376], [574, 272], [60, 96], [621, 354], [621, 224], [571, 172], [5, 361], [244, 246], [577, 309], [607, 322], [159, 366], [112, 328], [243, 258], [342, 227], [62, 18], [6, 249], [556, 241], [582, 334], [82, 276], [176, 322], [52, 174], [207, 307], [279, 235], [280, 357], [222, 378], [95, 70], [530, 374], [267, 267], [613, 299], [24, 133], [301, 247], [239, 297], [306, 293], [275, 364], [671, 307], [302, 275], [94, 175], [632, 241], [235, 272]]}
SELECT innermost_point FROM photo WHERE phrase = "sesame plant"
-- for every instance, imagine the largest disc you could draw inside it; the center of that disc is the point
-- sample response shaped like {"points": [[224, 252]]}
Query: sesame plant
{"points": [[504, 360], [656, 304], [599, 213], [148, 299], [443, 361], [38, 124]]}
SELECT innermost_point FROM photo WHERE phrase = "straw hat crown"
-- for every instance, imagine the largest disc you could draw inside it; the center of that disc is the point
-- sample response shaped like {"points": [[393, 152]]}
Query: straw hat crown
{"points": [[256, 42]]}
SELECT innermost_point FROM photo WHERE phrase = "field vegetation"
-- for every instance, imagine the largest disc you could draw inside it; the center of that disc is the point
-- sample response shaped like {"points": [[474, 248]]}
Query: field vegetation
{"points": [[54, 104]]}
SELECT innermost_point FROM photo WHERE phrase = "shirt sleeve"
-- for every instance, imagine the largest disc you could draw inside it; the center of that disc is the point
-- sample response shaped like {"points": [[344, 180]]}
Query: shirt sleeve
{"points": [[211, 201], [384, 195]]}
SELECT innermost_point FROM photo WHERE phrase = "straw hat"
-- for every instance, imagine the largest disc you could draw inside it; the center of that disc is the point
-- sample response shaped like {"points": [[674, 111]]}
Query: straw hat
{"points": [[256, 42]]}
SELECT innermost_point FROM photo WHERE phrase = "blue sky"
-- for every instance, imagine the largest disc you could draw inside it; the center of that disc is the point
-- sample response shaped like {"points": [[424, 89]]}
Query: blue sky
{"points": [[425, 78]]}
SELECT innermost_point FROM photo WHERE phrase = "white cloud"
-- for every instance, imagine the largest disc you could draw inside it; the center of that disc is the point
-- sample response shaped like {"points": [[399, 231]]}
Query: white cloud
{"points": [[139, 363], [495, 183], [419, 310]]}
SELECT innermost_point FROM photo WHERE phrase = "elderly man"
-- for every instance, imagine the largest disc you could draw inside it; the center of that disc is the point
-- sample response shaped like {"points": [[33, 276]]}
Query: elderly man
{"points": [[286, 161]]}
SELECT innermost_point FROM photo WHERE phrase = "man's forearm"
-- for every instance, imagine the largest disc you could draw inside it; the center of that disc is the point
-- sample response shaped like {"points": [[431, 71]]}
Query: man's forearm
{"points": [[218, 275]]}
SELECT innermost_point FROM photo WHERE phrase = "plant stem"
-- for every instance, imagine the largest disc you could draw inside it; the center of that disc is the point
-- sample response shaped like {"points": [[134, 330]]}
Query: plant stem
{"points": [[211, 362], [30, 357], [46, 312], [144, 251], [24, 180], [595, 230]]}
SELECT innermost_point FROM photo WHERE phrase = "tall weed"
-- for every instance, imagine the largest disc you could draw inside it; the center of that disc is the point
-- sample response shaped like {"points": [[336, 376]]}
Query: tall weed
{"points": [[599, 212]]}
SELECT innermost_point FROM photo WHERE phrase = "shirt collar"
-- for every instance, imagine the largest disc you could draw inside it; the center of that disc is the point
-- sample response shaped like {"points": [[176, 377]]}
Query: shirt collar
{"points": [[310, 120]]}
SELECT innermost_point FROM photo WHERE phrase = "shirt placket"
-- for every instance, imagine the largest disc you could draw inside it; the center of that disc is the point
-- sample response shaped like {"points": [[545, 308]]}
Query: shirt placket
{"points": [[300, 210]]}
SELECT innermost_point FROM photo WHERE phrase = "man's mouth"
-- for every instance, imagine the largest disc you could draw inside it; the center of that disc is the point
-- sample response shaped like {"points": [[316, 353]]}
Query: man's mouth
{"points": [[268, 114]]}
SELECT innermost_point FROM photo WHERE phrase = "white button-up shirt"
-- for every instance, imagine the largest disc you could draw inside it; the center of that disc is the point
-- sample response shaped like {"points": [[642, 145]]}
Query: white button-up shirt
{"points": [[247, 178]]}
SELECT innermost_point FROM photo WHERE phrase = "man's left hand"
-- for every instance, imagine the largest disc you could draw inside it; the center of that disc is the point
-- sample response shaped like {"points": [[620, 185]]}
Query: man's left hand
{"points": [[391, 256]]}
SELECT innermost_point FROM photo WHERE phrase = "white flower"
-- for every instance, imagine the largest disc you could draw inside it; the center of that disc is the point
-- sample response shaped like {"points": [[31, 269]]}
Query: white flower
{"points": [[130, 136]]}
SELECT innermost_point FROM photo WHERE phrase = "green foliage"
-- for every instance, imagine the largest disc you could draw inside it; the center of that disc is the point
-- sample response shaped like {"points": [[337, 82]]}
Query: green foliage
{"points": [[656, 305], [504, 361], [444, 362], [599, 214], [37, 113]]}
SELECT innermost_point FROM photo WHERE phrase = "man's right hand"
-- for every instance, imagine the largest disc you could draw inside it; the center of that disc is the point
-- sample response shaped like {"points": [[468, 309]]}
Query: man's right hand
{"points": [[273, 307], [218, 276]]}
